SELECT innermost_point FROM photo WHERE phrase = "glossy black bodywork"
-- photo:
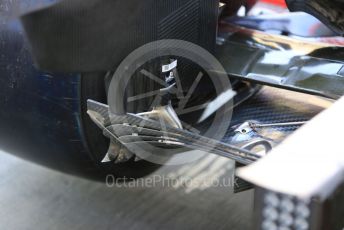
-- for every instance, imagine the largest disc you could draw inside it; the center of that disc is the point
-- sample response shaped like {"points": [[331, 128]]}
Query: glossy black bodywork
{"points": [[281, 61]]}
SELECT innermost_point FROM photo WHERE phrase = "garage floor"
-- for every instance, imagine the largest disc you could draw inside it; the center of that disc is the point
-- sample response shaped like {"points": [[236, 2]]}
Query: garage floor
{"points": [[33, 197]]}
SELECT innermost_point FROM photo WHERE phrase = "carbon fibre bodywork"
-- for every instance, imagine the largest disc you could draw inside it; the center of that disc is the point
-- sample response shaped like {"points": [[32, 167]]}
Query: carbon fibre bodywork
{"points": [[96, 35]]}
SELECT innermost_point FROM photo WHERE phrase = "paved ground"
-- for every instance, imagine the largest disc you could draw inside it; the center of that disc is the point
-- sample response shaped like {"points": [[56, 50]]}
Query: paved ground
{"points": [[199, 197]]}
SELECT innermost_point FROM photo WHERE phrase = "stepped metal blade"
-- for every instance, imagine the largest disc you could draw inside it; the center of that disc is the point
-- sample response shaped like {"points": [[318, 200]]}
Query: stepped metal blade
{"points": [[165, 114], [112, 153], [125, 130], [106, 159], [191, 144], [133, 138], [153, 146], [98, 112], [184, 137]]}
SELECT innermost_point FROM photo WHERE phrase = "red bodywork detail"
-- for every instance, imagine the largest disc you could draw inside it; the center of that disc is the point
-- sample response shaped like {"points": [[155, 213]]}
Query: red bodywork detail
{"points": [[280, 3]]}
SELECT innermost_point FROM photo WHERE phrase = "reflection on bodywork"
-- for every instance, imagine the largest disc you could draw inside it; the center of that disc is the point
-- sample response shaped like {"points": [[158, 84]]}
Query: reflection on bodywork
{"points": [[281, 61]]}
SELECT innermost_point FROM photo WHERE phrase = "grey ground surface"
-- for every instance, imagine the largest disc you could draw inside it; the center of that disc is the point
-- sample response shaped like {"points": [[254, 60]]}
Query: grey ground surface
{"points": [[194, 196]]}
